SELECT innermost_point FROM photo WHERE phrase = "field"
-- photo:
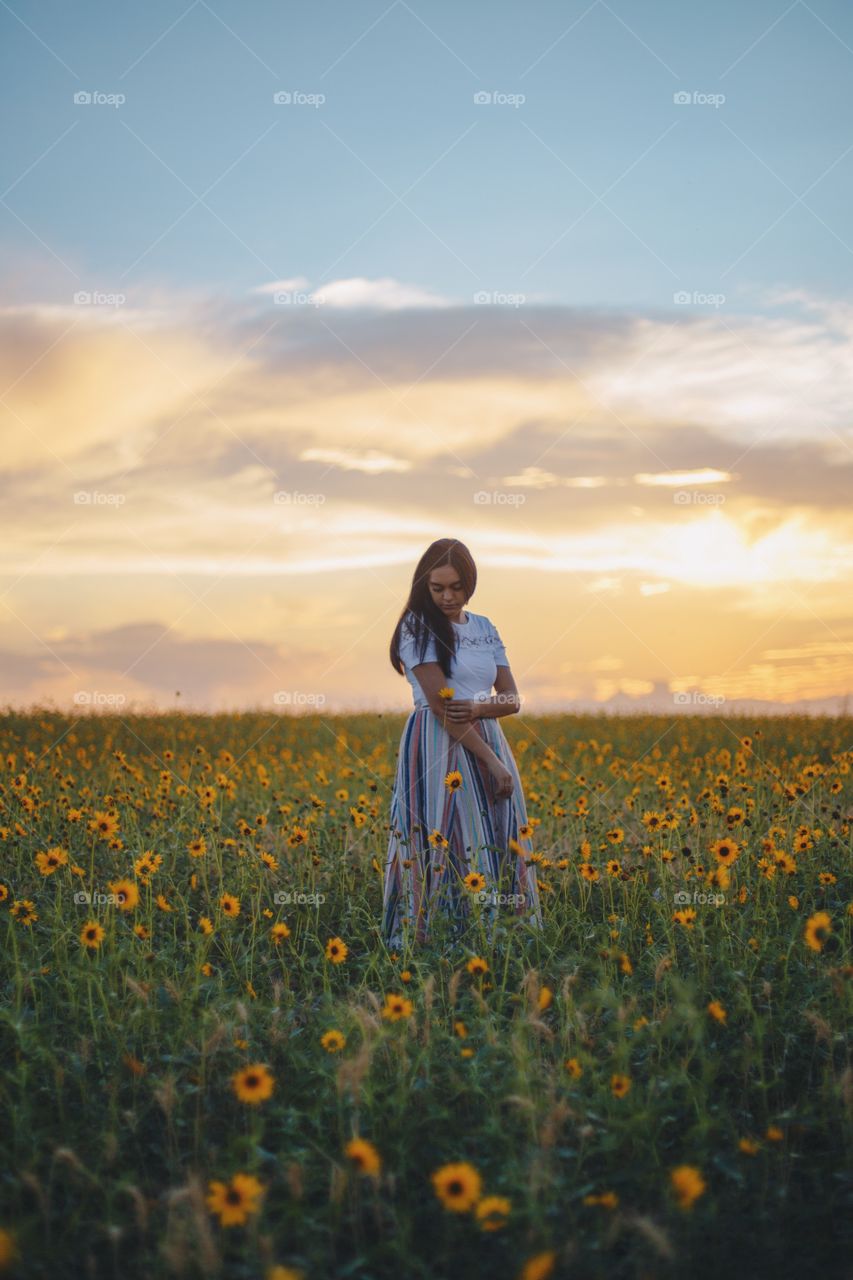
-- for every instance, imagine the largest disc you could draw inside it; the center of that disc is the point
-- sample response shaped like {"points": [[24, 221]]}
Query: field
{"points": [[211, 1066]]}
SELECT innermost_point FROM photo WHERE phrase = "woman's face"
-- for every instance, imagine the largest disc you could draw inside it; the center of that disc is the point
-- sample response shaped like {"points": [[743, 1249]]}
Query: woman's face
{"points": [[446, 589]]}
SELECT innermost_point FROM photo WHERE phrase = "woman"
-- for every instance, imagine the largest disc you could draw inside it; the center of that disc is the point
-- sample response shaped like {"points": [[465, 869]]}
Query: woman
{"points": [[457, 806]]}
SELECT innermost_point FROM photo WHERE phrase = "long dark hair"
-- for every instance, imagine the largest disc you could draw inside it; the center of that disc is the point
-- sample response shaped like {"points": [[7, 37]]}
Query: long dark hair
{"points": [[423, 614]]}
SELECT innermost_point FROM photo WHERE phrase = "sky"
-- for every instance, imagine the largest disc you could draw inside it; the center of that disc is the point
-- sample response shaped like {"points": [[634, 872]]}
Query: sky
{"points": [[290, 291]]}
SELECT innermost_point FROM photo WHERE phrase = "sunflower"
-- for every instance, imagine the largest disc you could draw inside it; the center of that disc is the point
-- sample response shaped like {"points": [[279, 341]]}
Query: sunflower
{"points": [[197, 848], [475, 882], [687, 1183], [477, 966], [717, 1011], [269, 861], [279, 932], [8, 1249], [492, 1212], [607, 1199], [589, 872], [725, 851], [619, 1085], [126, 894], [51, 860], [24, 911], [539, 1267], [205, 924], [364, 1156], [817, 930], [92, 934], [230, 905], [336, 950], [685, 917], [333, 1041], [574, 1068], [253, 1084], [457, 1186], [396, 1007], [453, 780], [236, 1200], [105, 824], [446, 693]]}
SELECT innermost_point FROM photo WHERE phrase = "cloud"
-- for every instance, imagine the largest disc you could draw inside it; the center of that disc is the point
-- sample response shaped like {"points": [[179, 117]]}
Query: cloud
{"points": [[360, 294], [240, 462]]}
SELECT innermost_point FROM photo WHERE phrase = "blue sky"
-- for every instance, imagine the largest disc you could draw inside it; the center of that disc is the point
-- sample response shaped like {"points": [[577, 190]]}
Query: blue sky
{"points": [[255, 356], [499, 196]]}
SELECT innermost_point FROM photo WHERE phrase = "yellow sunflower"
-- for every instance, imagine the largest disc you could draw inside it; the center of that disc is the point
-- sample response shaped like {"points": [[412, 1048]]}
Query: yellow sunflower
{"points": [[458, 1186], [235, 1201], [92, 934], [364, 1156], [253, 1084]]}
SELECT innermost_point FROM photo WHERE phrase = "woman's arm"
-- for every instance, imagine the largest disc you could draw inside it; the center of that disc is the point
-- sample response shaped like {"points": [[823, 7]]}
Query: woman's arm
{"points": [[431, 678], [506, 701]]}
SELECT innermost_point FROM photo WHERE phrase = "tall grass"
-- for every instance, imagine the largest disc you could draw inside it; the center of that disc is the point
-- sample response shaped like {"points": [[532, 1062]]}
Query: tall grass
{"points": [[573, 1075]]}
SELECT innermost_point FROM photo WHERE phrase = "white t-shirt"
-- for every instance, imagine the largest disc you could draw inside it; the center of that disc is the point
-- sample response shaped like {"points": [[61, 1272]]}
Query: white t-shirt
{"points": [[473, 670]]}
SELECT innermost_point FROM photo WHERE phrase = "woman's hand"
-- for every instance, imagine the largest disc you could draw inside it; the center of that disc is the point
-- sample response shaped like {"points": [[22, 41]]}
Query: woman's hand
{"points": [[461, 710], [504, 781]]}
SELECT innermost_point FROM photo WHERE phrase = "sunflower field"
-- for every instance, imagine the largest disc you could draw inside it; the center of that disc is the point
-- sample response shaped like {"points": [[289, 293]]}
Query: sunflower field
{"points": [[211, 1066]]}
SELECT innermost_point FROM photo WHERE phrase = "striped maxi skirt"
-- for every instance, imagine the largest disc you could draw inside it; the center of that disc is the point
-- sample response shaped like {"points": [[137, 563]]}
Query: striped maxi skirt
{"points": [[438, 836]]}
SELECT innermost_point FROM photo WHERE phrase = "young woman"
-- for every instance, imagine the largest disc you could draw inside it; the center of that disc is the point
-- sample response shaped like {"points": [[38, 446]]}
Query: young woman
{"points": [[457, 805]]}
